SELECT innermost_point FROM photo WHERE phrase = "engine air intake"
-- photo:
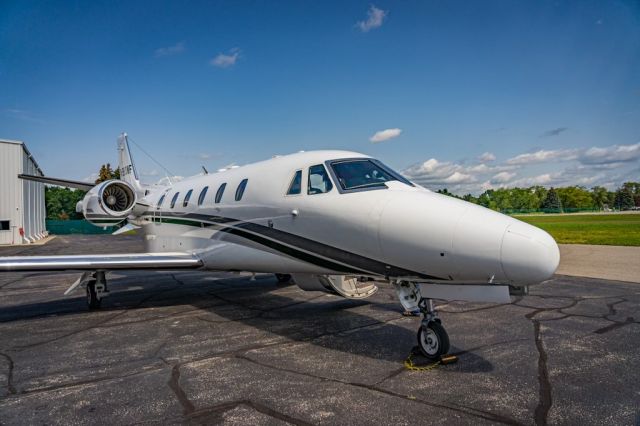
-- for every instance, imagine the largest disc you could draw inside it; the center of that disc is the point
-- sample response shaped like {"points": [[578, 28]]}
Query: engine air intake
{"points": [[117, 198]]}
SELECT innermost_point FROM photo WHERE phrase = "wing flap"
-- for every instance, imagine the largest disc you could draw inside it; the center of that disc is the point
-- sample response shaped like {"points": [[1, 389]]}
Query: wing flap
{"points": [[105, 262]]}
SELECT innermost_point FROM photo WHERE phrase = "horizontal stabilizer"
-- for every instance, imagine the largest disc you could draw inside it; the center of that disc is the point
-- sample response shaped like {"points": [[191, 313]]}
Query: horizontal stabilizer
{"points": [[106, 262], [85, 186]]}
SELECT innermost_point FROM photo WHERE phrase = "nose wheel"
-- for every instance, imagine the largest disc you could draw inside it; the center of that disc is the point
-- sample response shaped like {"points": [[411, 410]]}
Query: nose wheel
{"points": [[433, 339]]}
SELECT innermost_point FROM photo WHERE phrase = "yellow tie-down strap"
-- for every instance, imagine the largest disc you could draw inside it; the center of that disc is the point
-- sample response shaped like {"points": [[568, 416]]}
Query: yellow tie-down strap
{"points": [[444, 360]]}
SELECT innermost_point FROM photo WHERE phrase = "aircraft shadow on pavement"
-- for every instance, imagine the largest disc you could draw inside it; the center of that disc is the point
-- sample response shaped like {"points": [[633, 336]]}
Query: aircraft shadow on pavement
{"points": [[326, 322]]}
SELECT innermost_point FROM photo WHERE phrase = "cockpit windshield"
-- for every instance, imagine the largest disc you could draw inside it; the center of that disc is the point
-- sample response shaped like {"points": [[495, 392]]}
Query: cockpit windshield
{"points": [[364, 173]]}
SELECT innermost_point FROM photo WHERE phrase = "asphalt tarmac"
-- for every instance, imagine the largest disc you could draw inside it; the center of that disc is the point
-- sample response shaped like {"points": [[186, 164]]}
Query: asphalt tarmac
{"points": [[202, 348]]}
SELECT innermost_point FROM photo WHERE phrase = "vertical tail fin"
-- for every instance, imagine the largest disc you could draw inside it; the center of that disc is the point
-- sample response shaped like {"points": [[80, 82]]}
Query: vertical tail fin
{"points": [[128, 172]]}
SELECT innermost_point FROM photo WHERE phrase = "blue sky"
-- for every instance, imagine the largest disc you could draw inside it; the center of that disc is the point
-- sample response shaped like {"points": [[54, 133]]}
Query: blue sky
{"points": [[472, 95]]}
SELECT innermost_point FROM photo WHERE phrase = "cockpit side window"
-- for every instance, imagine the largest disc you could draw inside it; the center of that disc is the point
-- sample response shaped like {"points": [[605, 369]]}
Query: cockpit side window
{"points": [[319, 182], [364, 173], [296, 184]]}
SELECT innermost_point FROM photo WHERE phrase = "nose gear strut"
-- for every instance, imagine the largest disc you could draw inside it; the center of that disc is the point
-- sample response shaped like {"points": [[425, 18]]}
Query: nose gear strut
{"points": [[433, 339]]}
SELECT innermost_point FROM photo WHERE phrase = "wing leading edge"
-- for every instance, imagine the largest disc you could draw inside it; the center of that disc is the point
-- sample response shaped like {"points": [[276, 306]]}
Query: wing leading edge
{"points": [[105, 262]]}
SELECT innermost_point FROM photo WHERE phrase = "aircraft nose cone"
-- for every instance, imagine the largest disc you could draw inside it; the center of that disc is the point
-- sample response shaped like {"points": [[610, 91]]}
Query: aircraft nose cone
{"points": [[529, 255]]}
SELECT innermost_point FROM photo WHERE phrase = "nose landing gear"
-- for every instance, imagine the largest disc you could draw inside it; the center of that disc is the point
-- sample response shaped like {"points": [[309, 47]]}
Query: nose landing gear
{"points": [[433, 340]]}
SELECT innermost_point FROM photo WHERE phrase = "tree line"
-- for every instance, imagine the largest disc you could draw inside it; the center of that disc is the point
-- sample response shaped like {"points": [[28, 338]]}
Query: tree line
{"points": [[561, 199]]}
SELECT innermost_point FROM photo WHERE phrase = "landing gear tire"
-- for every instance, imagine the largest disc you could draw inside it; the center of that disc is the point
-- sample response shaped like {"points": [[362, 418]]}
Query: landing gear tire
{"points": [[283, 278], [433, 340], [93, 301]]}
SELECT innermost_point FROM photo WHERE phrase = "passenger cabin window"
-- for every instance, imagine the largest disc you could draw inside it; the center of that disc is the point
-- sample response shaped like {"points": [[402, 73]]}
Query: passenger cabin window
{"points": [[220, 192], [174, 199], [203, 194], [240, 189], [319, 181], [365, 173], [161, 200], [186, 198], [296, 184]]}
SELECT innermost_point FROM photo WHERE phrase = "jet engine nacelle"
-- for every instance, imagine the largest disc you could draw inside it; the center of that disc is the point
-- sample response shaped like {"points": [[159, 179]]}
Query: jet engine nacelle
{"points": [[108, 203], [346, 286]]}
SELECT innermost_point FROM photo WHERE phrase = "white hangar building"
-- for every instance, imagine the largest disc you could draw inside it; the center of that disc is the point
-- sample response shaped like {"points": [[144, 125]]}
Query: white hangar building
{"points": [[22, 208]]}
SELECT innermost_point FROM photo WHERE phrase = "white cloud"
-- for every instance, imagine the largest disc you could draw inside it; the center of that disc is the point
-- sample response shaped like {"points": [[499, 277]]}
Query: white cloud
{"points": [[611, 154], [384, 135], [543, 156], [549, 179], [487, 156], [608, 166], [375, 18], [226, 60], [594, 155], [458, 177], [204, 156], [170, 50], [502, 177], [433, 172], [152, 172]]}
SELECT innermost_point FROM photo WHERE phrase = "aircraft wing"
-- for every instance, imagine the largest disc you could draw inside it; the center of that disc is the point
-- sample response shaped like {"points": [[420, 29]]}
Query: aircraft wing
{"points": [[85, 186], [106, 262]]}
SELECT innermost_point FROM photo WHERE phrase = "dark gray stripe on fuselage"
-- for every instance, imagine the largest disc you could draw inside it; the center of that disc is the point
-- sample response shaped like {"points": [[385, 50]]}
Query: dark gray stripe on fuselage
{"points": [[354, 261]]}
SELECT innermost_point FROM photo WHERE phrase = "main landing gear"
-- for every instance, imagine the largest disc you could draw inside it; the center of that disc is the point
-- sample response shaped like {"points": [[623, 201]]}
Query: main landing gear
{"points": [[96, 288], [433, 340]]}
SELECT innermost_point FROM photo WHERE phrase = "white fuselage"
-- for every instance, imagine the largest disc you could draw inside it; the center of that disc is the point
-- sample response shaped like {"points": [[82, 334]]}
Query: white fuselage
{"points": [[392, 230]]}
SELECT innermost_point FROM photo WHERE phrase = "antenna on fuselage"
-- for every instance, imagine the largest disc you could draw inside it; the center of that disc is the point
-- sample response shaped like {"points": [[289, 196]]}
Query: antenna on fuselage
{"points": [[204, 169]]}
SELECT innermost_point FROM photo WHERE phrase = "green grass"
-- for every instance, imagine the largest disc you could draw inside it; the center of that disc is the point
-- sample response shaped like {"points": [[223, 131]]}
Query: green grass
{"points": [[601, 229]]}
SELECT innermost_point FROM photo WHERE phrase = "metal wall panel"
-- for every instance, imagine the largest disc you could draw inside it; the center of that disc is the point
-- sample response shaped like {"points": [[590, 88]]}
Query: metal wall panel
{"points": [[21, 202]]}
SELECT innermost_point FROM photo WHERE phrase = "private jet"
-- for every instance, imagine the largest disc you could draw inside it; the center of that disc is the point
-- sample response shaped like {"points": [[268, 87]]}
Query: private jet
{"points": [[332, 221]]}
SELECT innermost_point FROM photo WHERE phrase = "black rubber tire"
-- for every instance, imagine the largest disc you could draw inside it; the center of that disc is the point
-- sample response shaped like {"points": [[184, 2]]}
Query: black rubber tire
{"points": [[433, 340], [283, 278], [92, 296]]}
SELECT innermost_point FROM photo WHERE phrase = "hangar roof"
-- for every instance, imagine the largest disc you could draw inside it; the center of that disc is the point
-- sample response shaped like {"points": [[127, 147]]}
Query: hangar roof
{"points": [[26, 151]]}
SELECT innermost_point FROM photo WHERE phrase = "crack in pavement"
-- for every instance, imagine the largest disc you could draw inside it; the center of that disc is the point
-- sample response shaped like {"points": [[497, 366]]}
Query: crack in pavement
{"points": [[541, 413], [453, 407], [174, 384], [10, 387], [545, 400], [205, 414], [617, 324], [488, 345], [92, 326], [2, 286]]}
